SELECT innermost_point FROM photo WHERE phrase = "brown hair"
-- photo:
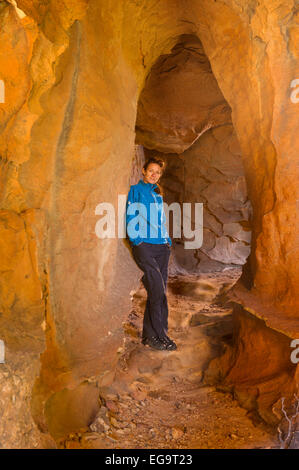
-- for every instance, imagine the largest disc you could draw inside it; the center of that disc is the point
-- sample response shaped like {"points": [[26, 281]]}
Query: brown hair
{"points": [[159, 162]]}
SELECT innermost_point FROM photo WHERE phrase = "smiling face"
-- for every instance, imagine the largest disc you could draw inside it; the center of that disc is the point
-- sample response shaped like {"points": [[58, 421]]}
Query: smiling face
{"points": [[152, 174]]}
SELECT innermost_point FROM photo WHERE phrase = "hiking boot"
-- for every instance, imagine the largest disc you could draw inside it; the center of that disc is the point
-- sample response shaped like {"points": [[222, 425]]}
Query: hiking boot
{"points": [[154, 342], [169, 343]]}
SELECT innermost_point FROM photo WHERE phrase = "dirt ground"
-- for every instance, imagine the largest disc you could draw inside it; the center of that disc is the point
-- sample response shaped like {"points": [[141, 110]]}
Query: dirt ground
{"points": [[159, 399]]}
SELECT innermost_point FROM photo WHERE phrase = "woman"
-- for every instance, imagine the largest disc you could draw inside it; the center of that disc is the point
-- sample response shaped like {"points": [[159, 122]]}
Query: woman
{"points": [[151, 251]]}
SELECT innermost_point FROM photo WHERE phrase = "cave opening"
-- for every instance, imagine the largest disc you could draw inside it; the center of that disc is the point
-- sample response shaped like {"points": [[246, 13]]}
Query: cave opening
{"points": [[183, 117]]}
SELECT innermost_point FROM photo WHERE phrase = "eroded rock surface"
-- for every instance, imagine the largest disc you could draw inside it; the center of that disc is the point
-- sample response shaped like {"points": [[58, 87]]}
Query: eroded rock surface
{"points": [[210, 172], [181, 99], [160, 399], [73, 74]]}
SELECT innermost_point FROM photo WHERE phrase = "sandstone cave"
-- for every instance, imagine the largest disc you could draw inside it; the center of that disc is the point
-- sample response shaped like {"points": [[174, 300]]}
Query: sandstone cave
{"points": [[89, 90]]}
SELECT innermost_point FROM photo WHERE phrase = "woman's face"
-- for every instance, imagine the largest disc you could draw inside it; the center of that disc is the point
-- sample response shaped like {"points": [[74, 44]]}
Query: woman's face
{"points": [[152, 174]]}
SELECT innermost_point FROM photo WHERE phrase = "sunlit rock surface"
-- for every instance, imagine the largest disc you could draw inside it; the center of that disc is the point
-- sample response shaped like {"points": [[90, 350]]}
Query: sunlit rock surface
{"points": [[74, 73]]}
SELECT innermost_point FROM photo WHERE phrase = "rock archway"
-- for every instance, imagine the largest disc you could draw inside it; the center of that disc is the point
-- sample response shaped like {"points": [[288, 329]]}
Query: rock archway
{"points": [[182, 113], [73, 74]]}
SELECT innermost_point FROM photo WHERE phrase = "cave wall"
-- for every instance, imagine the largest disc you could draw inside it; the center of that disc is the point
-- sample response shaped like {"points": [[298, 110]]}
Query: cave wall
{"points": [[180, 99], [211, 172], [73, 73], [256, 368], [262, 115]]}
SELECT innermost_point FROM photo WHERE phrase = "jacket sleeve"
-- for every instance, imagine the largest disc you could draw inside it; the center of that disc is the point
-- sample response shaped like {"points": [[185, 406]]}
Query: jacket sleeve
{"points": [[132, 197]]}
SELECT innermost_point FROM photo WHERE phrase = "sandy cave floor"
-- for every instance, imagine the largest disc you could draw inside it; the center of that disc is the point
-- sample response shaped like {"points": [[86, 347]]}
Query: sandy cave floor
{"points": [[159, 399]]}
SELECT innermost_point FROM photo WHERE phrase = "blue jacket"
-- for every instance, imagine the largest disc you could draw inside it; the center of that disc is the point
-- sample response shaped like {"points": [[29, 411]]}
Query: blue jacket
{"points": [[149, 224]]}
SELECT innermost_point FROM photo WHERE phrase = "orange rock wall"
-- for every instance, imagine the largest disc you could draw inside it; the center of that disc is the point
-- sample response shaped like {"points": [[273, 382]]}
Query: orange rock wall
{"points": [[73, 73]]}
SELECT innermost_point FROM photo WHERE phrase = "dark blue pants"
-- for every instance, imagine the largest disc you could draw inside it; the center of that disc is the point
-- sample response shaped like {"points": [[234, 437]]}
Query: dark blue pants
{"points": [[153, 260]]}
